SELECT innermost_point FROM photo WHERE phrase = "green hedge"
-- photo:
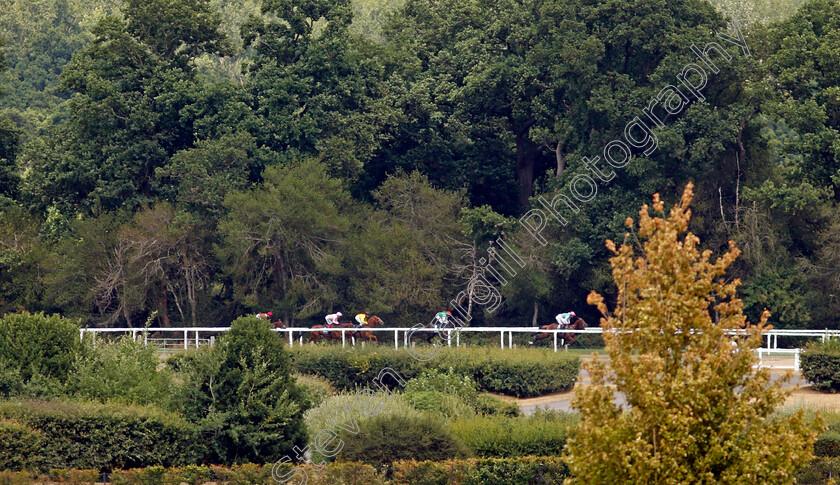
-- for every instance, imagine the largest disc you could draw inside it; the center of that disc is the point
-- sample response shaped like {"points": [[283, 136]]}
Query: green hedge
{"points": [[498, 471], [542, 434], [39, 345], [520, 373], [820, 366], [86, 435], [461, 472], [828, 444], [18, 445]]}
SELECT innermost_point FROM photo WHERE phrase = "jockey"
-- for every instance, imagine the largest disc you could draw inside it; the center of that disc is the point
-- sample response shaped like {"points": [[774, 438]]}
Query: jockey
{"points": [[362, 318], [332, 319], [442, 319], [266, 316], [564, 319]]}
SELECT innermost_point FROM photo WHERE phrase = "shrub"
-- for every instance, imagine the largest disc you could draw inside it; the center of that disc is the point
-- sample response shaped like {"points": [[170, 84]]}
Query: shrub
{"points": [[453, 395], [446, 405], [89, 435], [487, 404], [350, 368], [820, 365], [335, 408], [385, 439], [347, 474], [828, 444], [124, 371], [39, 345], [544, 433], [18, 444], [448, 382], [521, 373], [242, 396], [314, 390], [509, 471]]}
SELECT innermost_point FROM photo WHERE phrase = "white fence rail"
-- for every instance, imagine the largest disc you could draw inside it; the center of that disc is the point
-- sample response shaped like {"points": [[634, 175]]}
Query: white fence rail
{"points": [[192, 337]]}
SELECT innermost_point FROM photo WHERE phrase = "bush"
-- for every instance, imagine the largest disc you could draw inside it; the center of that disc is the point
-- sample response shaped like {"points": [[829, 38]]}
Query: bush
{"points": [[828, 444], [88, 435], [314, 390], [38, 345], [123, 371], [497, 471], [521, 373], [18, 445], [448, 382], [335, 407], [820, 365], [544, 433], [487, 404], [388, 438], [436, 402], [242, 395], [453, 395]]}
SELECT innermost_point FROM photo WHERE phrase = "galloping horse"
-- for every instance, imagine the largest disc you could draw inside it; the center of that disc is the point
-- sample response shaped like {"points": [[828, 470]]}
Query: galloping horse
{"points": [[578, 324], [279, 324], [372, 321], [331, 334]]}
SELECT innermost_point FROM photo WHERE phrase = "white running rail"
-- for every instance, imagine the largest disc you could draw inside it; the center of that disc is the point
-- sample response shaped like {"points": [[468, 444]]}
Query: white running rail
{"points": [[182, 338]]}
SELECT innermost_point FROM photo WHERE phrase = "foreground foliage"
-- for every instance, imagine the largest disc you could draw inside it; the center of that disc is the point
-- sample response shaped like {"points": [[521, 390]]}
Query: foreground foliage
{"points": [[242, 396], [698, 411], [41, 435]]}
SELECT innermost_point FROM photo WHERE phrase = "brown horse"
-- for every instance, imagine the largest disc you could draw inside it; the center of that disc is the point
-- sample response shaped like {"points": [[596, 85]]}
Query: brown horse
{"points": [[578, 324], [331, 334], [279, 324], [372, 321]]}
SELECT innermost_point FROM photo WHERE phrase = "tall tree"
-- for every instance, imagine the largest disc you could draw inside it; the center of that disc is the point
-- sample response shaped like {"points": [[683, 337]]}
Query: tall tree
{"points": [[129, 87], [698, 410]]}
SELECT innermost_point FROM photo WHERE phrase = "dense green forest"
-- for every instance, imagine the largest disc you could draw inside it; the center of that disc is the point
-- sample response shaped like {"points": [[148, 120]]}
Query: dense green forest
{"points": [[207, 158]]}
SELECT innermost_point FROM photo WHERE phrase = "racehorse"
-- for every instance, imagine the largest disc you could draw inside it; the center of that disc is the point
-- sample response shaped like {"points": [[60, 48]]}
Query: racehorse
{"points": [[428, 336], [578, 324], [372, 321], [331, 334], [279, 324]]}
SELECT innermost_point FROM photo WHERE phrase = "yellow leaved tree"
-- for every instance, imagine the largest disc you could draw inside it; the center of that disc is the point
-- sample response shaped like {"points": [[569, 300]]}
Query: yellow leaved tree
{"points": [[697, 411]]}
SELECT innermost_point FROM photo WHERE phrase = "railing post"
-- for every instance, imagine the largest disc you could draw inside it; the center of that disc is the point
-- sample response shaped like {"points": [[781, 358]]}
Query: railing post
{"points": [[196, 339], [81, 334], [510, 339], [343, 340], [458, 338], [291, 339], [555, 341], [186, 339], [503, 338], [796, 361], [397, 339], [134, 335], [768, 340], [449, 338]]}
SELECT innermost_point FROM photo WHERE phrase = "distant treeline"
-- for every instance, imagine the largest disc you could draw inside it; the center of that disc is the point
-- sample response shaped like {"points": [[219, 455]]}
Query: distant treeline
{"points": [[209, 158]]}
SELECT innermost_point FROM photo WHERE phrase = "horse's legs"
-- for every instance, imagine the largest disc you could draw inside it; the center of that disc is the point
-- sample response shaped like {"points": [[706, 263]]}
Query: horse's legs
{"points": [[538, 337]]}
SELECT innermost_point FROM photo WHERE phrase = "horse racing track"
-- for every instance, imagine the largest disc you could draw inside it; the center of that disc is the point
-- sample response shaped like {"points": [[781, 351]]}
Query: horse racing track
{"points": [[183, 338]]}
